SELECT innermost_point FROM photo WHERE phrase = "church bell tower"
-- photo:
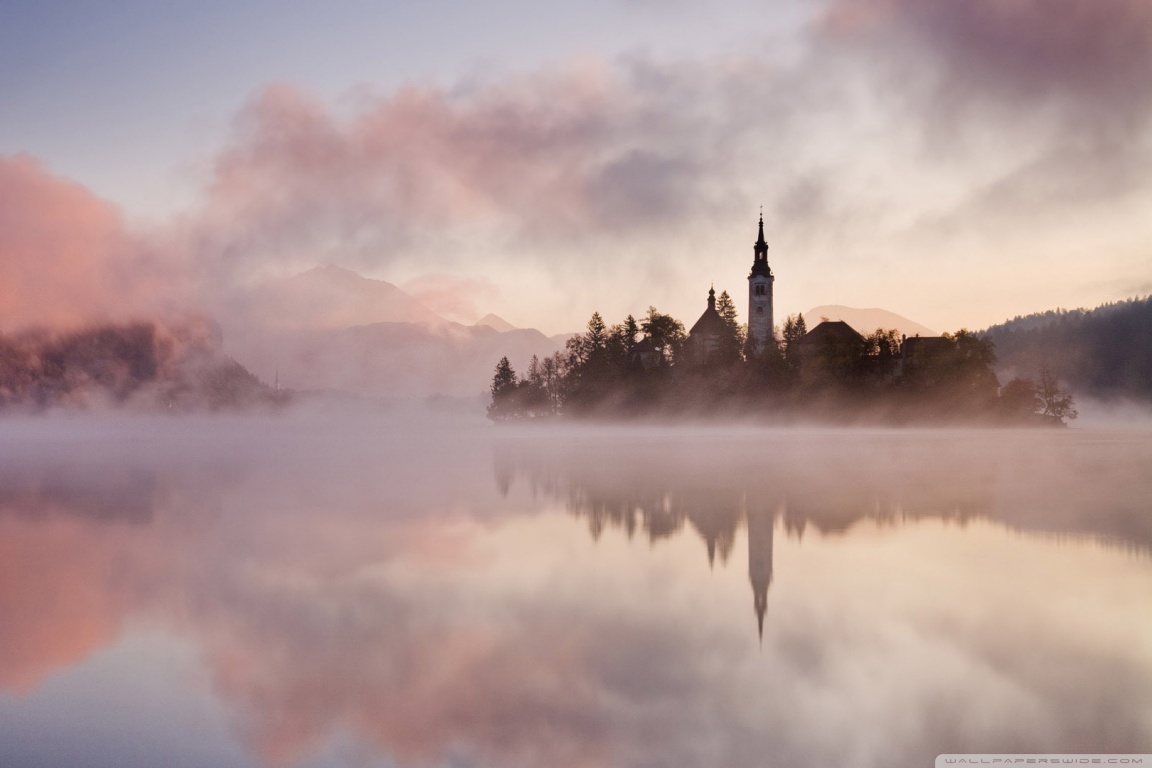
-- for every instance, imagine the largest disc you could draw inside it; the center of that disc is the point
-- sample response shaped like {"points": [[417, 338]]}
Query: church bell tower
{"points": [[760, 296]]}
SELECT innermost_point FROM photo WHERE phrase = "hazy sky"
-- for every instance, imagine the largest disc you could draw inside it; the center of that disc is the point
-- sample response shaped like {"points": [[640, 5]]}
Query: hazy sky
{"points": [[957, 163]]}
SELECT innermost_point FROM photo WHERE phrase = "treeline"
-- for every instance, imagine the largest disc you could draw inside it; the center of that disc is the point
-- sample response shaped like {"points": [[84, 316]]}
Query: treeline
{"points": [[144, 365], [1105, 353], [652, 367]]}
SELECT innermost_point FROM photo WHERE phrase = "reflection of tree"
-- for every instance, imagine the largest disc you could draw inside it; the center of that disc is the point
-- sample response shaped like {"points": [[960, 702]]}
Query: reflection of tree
{"points": [[715, 488], [100, 493]]}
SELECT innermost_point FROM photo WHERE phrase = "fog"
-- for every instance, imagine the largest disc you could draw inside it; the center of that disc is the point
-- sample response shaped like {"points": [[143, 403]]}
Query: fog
{"points": [[361, 586]]}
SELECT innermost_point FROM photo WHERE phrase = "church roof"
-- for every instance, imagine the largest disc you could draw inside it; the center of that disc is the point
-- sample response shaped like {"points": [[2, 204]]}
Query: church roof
{"points": [[710, 323]]}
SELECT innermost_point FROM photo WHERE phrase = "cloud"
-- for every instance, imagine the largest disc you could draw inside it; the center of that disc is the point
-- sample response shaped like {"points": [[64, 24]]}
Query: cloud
{"points": [[1019, 51], [458, 298], [591, 153], [901, 128], [1042, 85], [65, 254]]}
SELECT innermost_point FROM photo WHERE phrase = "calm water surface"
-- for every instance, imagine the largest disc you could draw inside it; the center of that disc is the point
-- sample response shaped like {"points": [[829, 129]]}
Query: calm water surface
{"points": [[390, 591]]}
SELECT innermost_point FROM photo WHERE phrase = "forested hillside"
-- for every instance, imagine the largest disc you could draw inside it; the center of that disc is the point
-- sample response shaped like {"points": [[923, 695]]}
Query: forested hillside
{"points": [[1104, 352], [143, 366]]}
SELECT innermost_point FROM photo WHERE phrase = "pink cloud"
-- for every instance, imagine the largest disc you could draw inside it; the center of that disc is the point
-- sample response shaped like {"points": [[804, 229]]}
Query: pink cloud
{"points": [[454, 297], [591, 151], [67, 257]]}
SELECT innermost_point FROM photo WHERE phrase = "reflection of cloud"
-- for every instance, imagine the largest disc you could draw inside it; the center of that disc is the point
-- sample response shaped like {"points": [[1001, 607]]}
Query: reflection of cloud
{"points": [[370, 583], [86, 542], [60, 596]]}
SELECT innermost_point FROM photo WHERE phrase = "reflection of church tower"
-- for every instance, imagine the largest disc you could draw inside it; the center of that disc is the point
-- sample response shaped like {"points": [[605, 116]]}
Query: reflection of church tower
{"points": [[760, 523], [760, 295]]}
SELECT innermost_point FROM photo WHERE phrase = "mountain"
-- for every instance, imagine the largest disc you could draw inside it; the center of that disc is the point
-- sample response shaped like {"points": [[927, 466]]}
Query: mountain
{"points": [[148, 366], [496, 322], [391, 359], [1104, 352], [327, 297], [867, 321], [332, 329]]}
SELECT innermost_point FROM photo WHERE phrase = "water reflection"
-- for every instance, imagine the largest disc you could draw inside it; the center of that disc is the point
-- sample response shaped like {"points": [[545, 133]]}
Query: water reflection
{"points": [[1085, 487], [359, 599]]}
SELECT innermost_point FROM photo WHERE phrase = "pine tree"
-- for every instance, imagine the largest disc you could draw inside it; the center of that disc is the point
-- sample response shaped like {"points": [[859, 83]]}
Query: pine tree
{"points": [[533, 394], [504, 391], [622, 344], [666, 334], [597, 335], [794, 330], [731, 344]]}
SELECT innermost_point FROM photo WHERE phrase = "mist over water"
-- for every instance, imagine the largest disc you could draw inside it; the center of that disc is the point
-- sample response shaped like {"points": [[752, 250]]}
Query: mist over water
{"points": [[367, 586]]}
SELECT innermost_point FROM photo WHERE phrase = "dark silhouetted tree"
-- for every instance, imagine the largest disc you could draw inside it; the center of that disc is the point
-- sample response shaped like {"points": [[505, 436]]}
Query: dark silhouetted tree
{"points": [[622, 344], [794, 330], [882, 348], [504, 392], [552, 372], [534, 401], [969, 366], [1019, 400], [1055, 403], [666, 335], [731, 343]]}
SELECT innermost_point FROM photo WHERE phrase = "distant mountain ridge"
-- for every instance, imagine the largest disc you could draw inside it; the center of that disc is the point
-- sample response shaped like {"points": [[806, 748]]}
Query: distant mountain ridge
{"points": [[395, 359], [496, 322], [326, 297], [330, 328], [1104, 352], [867, 321]]}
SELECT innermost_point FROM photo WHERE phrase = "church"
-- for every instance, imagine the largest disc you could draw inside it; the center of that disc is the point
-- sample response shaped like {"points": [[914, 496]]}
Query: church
{"points": [[704, 338]]}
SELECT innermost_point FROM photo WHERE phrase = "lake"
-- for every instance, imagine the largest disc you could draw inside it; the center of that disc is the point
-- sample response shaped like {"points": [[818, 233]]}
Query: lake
{"points": [[383, 589]]}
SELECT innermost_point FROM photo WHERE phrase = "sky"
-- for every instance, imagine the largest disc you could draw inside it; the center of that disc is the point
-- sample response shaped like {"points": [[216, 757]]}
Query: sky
{"points": [[957, 163]]}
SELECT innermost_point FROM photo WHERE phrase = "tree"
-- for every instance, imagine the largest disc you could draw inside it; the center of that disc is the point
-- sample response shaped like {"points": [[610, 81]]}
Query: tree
{"points": [[596, 339], [1055, 404], [665, 333], [882, 347], [1019, 400], [732, 342], [622, 345], [967, 367], [552, 371], [504, 390], [883, 344], [794, 330], [533, 399]]}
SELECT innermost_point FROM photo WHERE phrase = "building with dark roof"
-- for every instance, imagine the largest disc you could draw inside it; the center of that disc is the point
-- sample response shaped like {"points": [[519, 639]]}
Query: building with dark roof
{"points": [[705, 337], [830, 351]]}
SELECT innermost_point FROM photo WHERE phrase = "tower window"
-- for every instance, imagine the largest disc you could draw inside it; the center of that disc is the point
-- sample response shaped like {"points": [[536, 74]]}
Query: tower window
{"points": [[759, 310]]}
